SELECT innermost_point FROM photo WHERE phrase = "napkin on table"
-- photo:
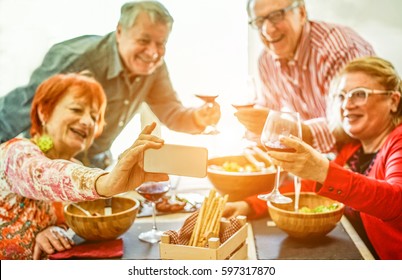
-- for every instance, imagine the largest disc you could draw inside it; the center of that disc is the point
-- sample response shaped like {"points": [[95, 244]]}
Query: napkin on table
{"points": [[94, 250]]}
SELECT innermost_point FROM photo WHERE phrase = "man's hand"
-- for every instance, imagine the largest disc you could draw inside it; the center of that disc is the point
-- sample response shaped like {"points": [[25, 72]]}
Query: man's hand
{"points": [[207, 114], [253, 119]]}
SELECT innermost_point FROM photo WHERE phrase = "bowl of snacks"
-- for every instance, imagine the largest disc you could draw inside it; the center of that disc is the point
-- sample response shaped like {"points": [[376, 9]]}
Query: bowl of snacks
{"points": [[89, 221], [240, 177], [316, 217]]}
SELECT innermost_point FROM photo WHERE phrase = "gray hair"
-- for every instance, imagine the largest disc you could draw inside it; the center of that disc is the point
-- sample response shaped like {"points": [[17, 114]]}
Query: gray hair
{"points": [[250, 3], [155, 10]]}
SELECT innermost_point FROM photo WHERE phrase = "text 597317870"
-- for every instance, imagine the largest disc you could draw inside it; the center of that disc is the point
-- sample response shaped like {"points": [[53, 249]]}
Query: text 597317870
{"points": [[248, 270]]}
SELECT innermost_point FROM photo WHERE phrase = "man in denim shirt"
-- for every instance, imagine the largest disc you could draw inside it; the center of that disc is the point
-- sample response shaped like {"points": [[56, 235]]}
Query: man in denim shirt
{"points": [[129, 64]]}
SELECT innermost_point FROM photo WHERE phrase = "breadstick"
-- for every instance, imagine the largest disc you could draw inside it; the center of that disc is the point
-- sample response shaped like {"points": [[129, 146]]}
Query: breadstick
{"points": [[195, 234], [215, 215], [207, 219], [217, 225]]}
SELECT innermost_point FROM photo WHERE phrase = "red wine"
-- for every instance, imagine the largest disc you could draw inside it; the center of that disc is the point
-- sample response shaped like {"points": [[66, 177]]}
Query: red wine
{"points": [[243, 106], [277, 147], [207, 98], [153, 191]]}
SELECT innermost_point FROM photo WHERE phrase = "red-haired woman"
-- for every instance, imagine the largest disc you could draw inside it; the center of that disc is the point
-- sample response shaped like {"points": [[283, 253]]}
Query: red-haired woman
{"points": [[67, 114]]}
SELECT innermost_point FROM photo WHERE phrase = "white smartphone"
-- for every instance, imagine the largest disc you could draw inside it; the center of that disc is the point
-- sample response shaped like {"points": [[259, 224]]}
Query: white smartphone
{"points": [[177, 160]]}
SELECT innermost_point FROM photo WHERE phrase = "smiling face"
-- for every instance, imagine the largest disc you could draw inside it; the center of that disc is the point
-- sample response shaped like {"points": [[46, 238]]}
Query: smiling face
{"points": [[366, 122], [72, 125], [283, 37], [142, 46]]}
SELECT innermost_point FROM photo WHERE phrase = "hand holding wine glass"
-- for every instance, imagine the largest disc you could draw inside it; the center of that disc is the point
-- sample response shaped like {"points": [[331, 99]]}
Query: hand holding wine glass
{"points": [[208, 115], [279, 124], [153, 192]]}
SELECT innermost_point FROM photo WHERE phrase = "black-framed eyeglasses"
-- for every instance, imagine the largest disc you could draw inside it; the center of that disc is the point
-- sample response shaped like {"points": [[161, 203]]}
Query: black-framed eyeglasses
{"points": [[358, 96], [273, 17]]}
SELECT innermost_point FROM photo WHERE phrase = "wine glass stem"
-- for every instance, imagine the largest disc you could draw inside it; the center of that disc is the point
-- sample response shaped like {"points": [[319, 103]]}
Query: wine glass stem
{"points": [[277, 179], [154, 215], [297, 192], [173, 194]]}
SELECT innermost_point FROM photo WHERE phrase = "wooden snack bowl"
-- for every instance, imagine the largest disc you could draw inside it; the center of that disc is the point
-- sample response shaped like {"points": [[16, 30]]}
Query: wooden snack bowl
{"points": [[99, 226], [239, 185], [305, 225], [235, 248]]}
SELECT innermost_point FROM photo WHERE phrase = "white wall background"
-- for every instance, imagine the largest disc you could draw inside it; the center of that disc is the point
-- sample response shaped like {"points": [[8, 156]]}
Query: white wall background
{"points": [[208, 50]]}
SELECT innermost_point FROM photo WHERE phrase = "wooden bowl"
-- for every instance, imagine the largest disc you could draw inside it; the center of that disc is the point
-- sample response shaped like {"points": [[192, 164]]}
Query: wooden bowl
{"points": [[101, 227], [305, 225], [239, 185]]}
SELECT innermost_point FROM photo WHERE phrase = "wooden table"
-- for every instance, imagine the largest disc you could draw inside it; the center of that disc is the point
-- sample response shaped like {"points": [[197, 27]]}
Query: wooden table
{"points": [[264, 240]]}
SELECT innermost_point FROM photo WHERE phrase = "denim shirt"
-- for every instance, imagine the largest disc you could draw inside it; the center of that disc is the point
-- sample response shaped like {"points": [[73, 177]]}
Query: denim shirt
{"points": [[99, 55]]}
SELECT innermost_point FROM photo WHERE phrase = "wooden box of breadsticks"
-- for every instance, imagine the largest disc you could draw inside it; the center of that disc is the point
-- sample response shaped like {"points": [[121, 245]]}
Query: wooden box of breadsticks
{"points": [[205, 235]]}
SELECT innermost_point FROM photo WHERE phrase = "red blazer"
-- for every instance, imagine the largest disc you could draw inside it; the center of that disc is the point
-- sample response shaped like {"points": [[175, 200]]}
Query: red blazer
{"points": [[378, 197]]}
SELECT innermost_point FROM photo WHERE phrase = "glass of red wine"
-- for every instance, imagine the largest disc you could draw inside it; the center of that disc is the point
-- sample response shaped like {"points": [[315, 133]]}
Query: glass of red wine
{"points": [[209, 99], [248, 99], [153, 192], [276, 125]]}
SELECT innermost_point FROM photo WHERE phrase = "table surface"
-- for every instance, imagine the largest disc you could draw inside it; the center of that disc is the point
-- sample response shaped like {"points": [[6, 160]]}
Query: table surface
{"points": [[274, 244], [265, 241]]}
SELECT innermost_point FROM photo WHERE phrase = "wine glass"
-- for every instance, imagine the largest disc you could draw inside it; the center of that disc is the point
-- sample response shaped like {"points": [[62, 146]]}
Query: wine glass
{"points": [[276, 125], [209, 99], [174, 183], [152, 191], [248, 97], [247, 100]]}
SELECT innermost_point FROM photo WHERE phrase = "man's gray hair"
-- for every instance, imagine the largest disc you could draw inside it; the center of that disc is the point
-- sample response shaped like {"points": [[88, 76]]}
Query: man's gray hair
{"points": [[155, 10], [250, 11]]}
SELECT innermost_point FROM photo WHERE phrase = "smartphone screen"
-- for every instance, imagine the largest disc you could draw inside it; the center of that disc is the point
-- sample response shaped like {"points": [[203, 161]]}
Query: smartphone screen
{"points": [[177, 160]]}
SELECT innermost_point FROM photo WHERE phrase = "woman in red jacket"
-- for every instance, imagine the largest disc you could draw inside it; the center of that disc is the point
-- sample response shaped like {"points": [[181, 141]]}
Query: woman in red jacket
{"points": [[367, 174]]}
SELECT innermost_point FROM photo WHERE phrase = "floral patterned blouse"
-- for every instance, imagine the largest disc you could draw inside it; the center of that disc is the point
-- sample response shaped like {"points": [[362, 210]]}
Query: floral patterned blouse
{"points": [[30, 183]]}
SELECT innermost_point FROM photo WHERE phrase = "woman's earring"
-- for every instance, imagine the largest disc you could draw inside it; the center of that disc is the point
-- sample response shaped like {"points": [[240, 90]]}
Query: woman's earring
{"points": [[44, 142]]}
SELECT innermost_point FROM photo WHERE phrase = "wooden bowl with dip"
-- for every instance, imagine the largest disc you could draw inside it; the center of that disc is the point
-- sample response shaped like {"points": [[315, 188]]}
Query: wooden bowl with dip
{"points": [[99, 226]]}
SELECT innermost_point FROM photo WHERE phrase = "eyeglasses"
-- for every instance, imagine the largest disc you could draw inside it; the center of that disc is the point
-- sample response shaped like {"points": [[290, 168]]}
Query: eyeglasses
{"points": [[359, 96], [273, 17]]}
